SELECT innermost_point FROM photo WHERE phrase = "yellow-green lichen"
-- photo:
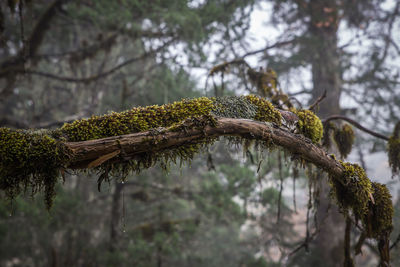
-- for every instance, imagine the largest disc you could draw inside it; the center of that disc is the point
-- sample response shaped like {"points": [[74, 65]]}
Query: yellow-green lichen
{"points": [[265, 110], [309, 124], [30, 160], [394, 149], [344, 139], [353, 190], [378, 222], [234, 107]]}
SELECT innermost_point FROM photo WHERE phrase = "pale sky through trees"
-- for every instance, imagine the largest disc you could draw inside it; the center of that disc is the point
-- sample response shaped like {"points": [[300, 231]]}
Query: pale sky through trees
{"points": [[261, 34]]}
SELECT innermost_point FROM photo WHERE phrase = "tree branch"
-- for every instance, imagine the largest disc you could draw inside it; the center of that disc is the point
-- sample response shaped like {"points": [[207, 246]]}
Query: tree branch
{"points": [[278, 44], [356, 124], [97, 76], [34, 41], [316, 103], [166, 138], [10, 67]]}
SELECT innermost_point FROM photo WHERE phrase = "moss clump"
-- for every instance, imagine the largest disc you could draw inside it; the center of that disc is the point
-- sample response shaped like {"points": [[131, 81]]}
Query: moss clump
{"points": [[354, 191], [394, 154], [309, 125], [344, 139], [145, 118], [30, 160], [394, 150], [136, 120], [266, 82], [379, 220], [265, 110]]}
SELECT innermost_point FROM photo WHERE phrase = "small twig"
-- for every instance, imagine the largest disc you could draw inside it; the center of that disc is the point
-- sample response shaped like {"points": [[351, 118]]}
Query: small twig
{"points": [[395, 242], [309, 206], [356, 124], [308, 237], [223, 66], [308, 92], [297, 101], [295, 175], [278, 44], [304, 244], [281, 187], [360, 243], [347, 256], [21, 23], [316, 103], [361, 157], [97, 76]]}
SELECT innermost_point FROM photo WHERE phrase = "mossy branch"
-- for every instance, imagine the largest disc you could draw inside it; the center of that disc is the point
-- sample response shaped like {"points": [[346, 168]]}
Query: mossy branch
{"points": [[162, 139], [370, 202], [138, 138]]}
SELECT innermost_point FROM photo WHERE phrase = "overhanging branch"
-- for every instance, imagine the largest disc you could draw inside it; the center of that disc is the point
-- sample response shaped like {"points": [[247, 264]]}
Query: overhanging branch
{"points": [[167, 138], [356, 124], [188, 125]]}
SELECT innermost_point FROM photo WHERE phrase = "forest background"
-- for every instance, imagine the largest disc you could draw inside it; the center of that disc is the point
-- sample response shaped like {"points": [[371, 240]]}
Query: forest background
{"points": [[236, 206]]}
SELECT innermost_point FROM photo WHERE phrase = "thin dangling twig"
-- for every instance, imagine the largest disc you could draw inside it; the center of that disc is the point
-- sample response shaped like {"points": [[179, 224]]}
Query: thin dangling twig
{"points": [[295, 176], [281, 186]]}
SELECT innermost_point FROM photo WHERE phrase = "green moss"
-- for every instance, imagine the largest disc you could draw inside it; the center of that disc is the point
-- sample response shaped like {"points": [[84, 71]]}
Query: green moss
{"points": [[136, 120], [309, 124], [145, 118], [265, 110], [370, 201], [33, 159], [344, 139], [30, 160], [394, 149], [379, 219], [354, 191]]}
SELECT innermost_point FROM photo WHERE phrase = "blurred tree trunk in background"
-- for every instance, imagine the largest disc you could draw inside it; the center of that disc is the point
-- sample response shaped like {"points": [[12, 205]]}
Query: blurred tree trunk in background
{"points": [[327, 249]]}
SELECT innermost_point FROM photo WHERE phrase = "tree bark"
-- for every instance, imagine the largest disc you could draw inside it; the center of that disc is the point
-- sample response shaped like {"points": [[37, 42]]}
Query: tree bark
{"points": [[131, 145], [325, 62]]}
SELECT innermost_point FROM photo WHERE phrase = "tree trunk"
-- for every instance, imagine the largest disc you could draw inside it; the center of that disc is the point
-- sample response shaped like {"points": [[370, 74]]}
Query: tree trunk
{"points": [[326, 77]]}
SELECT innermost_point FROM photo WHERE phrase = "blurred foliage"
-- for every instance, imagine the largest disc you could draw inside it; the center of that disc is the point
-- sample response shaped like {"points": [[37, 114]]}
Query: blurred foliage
{"points": [[93, 57]]}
